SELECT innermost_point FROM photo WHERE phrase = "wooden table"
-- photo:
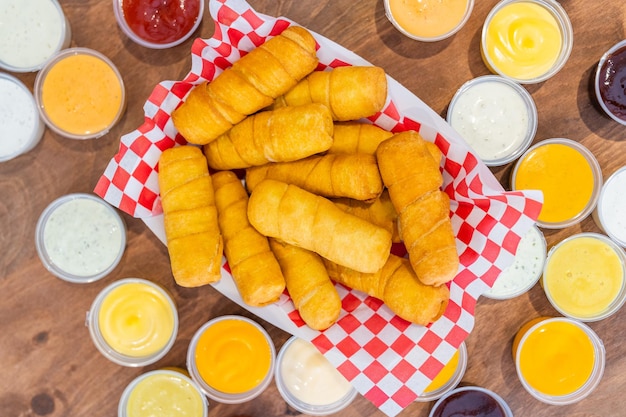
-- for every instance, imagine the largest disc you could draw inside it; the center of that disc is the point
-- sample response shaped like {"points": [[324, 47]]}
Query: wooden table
{"points": [[49, 365]]}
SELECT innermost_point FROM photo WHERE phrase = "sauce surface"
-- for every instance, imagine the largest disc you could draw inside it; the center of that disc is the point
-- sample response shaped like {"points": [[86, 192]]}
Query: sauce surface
{"points": [[523, 40], [82, 95], [612, 207], [18, 118], [612, 83], [565, 177], [161, 21], [584, 276], [136, 319], [472, 403], [445, 375], [233, 356], [557, 358], [428, 18]]}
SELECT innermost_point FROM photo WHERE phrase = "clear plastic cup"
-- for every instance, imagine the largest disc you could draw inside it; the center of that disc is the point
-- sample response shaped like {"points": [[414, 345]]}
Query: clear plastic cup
{"points": [[171, 25], [80, 238], [228, 335], [124, 321], [521, 73], [574, 267], [550, 170], [467, 401], [552, 351], [496, 116], [610, 212], [443, 30], [451, 383], [80, 94], [21, 128], [167, 384], [308, 382], [610, 72], [37, 30]]}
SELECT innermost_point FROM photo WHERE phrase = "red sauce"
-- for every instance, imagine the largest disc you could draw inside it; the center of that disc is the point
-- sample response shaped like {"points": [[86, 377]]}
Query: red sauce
{"points": [[469, 403], [161, 21], [612, 83]]}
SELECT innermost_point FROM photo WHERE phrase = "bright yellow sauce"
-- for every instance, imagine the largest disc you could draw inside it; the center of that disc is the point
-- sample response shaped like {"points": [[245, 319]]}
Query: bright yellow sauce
{"points": [[82, 95], [428, 18], [523, 40], [233, 356], [557, 358], [584, 276], [136, 319], [445, 375], [564, 176]]}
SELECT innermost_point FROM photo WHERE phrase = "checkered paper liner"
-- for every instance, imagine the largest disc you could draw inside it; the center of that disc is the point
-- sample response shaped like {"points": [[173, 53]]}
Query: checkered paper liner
{"points": [[387, 359]]}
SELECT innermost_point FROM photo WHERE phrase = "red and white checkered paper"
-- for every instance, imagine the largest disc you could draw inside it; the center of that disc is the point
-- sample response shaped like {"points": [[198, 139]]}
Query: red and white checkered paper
{"points": [[387, 359]]}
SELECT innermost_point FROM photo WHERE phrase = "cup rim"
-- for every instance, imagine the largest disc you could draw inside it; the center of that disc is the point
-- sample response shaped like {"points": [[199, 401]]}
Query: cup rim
{"points": [[595, 169], [219, 396], [496, 397], [40, 79], [615, 47], [567, 33], [123, 25], [123, 402], [528, 101], [619, 172], [619, 300], [588, 387], [453, 382], [107, 351], [458, 27]]}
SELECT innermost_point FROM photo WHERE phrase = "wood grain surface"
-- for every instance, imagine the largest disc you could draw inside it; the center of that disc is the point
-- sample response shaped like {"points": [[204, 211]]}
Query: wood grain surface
{"points": [[48, 363]]}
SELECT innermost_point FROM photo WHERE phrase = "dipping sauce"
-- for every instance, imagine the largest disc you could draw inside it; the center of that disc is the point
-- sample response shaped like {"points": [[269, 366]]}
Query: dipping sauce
{"points": [[526, 268], [20, 126], [80, 238], [610, 214], [470, 402], [162, 393], [558, 357], [231, 358], [428, 20], [31, 32], [524, 40], [609, 86], [568, 175], [495, 116], [80, 93], [448, 378], [584, 276]]}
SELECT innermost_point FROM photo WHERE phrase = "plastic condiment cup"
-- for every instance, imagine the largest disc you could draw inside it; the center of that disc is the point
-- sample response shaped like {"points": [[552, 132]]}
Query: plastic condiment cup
{"points": [[608, 84], [452, 382], [176, 396], [580, 279], [303, 373], [31, 31], [560, 180], [21, 128], [610, 212], [248, 363], [80, 238], [508, 21], [125, 318], [496, 116], [559, 354], [80, 93], [469, 400], [428, 21], [526, 269], [157, 27]]}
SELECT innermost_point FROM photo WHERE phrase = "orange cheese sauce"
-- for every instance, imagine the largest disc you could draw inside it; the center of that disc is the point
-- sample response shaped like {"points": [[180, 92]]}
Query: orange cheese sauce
{"points": [[233, 356], [428, 18], [564, 176], [445, 375], [82, 95]]}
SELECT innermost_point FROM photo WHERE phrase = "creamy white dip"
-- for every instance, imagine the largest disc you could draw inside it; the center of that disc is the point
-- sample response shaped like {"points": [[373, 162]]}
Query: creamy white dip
{"points": [[19, 119], [611, 209]]}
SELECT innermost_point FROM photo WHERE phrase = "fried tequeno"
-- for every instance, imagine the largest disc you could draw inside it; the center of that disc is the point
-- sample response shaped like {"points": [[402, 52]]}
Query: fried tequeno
{"points": [[249, 85], [281, 135], [398, 287], [313, 293], [357, 137], [301, 218], [194, 241], [335, 175], [253, 266], [350, 92], [413, 179]]}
